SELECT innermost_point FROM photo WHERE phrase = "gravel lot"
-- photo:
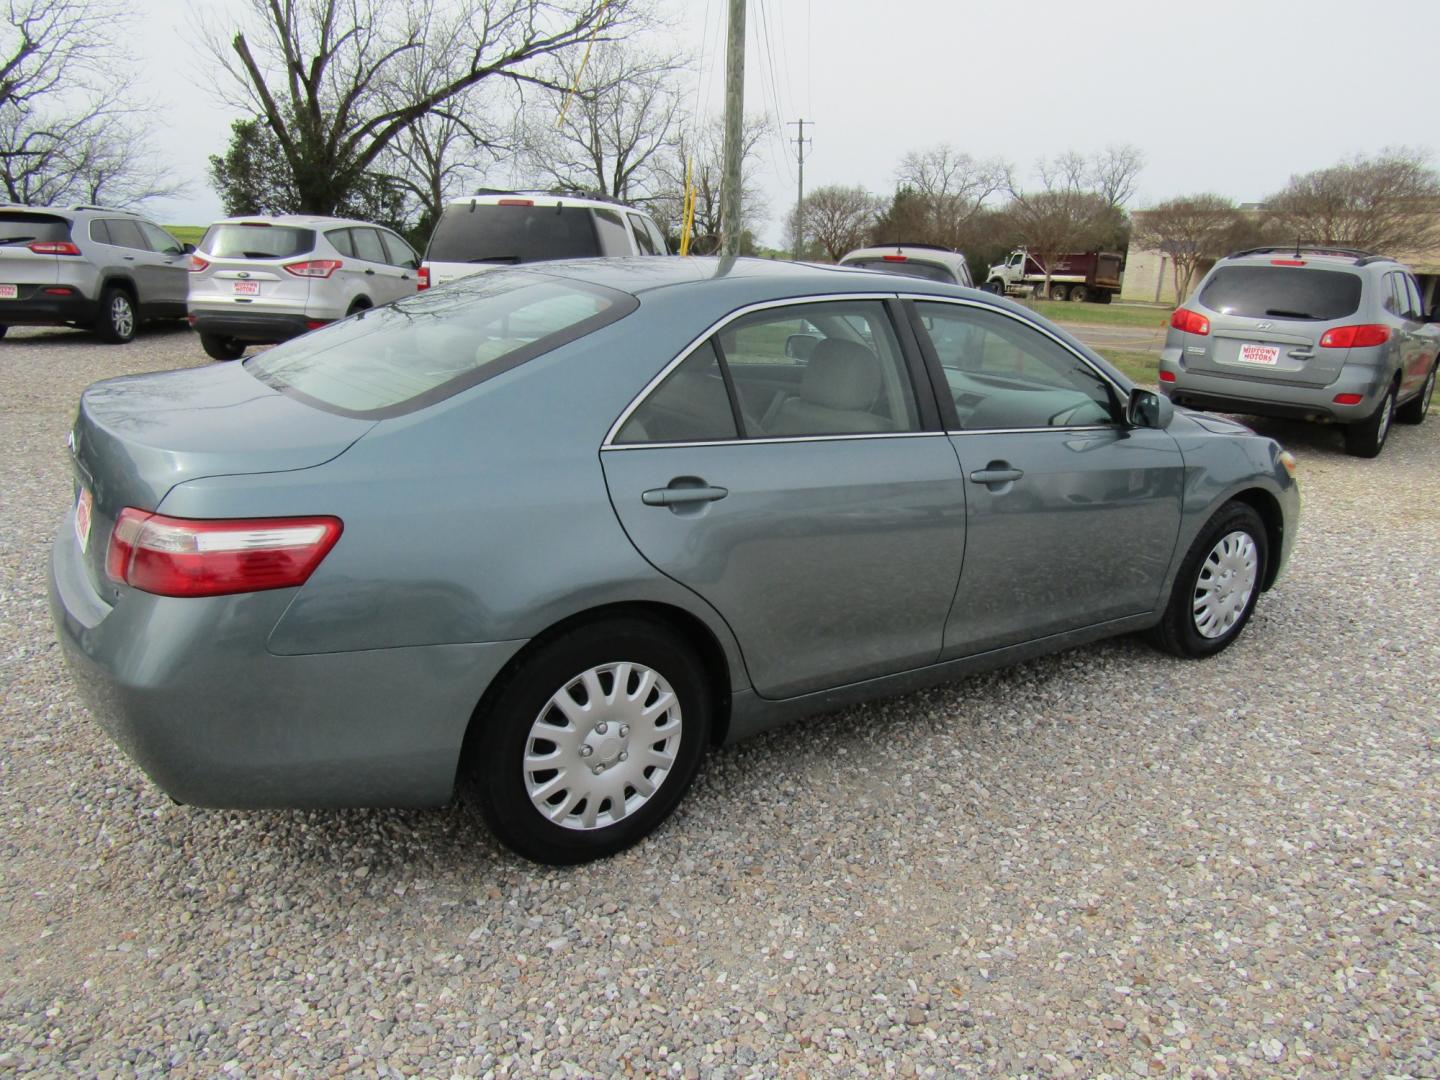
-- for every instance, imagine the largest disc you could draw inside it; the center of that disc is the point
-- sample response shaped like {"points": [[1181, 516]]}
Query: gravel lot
{"points": [[1103, 863]]}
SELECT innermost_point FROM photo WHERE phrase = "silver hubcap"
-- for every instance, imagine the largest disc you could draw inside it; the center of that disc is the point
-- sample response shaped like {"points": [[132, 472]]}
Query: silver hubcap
{"points": [[1385, 410], [1227, 578], [122, 316], [602, 746]]}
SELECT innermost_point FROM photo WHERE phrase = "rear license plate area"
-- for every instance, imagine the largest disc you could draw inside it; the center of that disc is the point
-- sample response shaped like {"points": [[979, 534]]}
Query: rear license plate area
{"points": [[1264, 355], [247, 288]]}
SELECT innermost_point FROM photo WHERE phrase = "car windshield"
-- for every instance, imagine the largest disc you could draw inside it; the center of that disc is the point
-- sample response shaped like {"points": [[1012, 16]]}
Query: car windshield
{"points": [[406, 355], [910, 268], [486, 232], [1282, 292], [257, 241]]}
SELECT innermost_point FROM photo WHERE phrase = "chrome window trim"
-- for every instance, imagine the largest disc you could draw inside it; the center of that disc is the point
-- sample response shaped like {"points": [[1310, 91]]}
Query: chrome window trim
{"points": [[786, 439], [1120, 392], [1033, 430], [794, 301]]}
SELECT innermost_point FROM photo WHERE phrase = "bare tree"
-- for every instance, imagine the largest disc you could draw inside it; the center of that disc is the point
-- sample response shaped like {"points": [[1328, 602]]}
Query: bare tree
{"points": [[701, 150], [70, 119], [614, 131], [839, 218], [946, 189], [1192, 229], [329, 76], [1114, 172], [1384, 203], [1062, 214]]}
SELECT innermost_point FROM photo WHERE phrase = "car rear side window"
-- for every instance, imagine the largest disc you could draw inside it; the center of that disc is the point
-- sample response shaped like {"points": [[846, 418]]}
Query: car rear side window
{"points": [[1282, 292], [125, 233], [424, 348], [23, 228], [487, 232], [691, 405], [642, 237], [236, 241]]}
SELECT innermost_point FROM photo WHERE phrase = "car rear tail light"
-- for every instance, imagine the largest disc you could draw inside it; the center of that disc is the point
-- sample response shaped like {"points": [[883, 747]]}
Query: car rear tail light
{"points": [[422, 278], [314, 268], [1167, 376], [192, 319], [198, 264], [1358, 336], [1349, 399], [181, 557], [896, 258], [1192, 322], [53, 247], [515, 202], [315, 324]]}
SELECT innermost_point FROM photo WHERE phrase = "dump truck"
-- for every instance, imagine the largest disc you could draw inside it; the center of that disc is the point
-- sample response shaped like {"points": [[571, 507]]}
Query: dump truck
{"points": [[1078, 276]]}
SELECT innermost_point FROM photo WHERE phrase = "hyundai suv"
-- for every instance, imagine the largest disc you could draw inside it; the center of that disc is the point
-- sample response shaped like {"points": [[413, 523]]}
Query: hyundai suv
{"points": [[259, 280], [501, 228], [1308, 333], [88, 266], [913, 260]]}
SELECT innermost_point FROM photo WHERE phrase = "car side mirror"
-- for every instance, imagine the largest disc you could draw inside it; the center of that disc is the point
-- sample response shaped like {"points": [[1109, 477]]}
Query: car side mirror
{"points": [[1148, 409], [800, 346]]}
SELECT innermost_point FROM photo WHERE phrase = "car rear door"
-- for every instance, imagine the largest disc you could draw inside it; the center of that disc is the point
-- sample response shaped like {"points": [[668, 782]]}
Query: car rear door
{"points": [[1071, 516], [403, 263], [169, 268], [814, 503]]}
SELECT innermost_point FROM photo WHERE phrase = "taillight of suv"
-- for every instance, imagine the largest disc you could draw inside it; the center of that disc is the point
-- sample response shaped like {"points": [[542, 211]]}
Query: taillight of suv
{"points": [[1192, 322], [1358, 336], [53, 247], [314, 268], [422, 277]]}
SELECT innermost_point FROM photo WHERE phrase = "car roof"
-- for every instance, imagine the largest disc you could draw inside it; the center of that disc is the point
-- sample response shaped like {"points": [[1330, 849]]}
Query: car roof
{"points": [[918, 252], [305, 221], [71, 211], [545, 198], [1324, 258]]}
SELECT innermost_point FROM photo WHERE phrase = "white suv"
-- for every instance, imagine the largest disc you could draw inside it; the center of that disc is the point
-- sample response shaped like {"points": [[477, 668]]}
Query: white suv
{"points": [[501, 228], [267, 279]]}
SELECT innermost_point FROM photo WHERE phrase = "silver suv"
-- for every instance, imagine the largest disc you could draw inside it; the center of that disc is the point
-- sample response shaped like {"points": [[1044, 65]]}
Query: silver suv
{"points": [[501, 228], [914, 260], [259, 280], [1308, 333], [88, 266]]}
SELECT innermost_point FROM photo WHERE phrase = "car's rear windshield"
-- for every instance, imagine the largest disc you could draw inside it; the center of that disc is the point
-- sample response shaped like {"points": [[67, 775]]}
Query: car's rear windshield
{"points": [[1282, 292], [257, 241], [486, 232], [22, 228], [910, 268], [401, 357]]}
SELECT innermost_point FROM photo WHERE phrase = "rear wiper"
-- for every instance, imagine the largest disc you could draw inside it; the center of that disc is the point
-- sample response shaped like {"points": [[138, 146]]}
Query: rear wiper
{"points": [[1281, 313], [257, 255], [496, 259], [16, 240]]}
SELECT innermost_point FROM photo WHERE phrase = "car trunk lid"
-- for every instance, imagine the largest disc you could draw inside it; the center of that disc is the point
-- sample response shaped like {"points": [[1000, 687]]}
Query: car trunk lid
{"points": [[19, 265], [137, 437]]}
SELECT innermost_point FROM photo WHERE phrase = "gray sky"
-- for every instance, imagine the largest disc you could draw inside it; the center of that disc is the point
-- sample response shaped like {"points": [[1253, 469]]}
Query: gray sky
{"points": [[1223, 96]]}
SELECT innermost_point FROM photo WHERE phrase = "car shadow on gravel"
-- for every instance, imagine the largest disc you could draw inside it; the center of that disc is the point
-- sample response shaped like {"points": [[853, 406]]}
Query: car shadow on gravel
{"points": [[46, 336]]}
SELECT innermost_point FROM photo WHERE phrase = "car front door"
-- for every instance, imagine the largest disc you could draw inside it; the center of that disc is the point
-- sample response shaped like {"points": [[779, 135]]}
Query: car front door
{"points": [[1419, 340], [814, 503], [169, 267], [1072, 516]]}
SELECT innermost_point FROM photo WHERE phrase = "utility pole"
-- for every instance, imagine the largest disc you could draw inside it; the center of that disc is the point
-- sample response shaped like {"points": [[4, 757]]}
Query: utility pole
{"points": [[800, 141], [734, 113]]}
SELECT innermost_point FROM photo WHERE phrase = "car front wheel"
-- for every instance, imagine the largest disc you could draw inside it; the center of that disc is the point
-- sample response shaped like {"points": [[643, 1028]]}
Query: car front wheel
{"points": [[589, 743], [1217, 586]]}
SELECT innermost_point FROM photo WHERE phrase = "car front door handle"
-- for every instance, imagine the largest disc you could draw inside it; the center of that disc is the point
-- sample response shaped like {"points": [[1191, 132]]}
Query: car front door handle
{"points": [[679, 496], [370, 272], [997, 472]]}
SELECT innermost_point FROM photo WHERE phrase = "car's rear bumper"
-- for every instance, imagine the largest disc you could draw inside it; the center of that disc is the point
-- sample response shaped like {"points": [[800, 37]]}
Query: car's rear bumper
{"points": [[35, 307], [1261, 397], [187, 688], [258, 327]]}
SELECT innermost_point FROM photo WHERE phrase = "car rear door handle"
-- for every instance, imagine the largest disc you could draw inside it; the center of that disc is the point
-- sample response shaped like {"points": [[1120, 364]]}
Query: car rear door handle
{"points": [[1302, 354], [679, 496], [997, 472], [370, 272]]}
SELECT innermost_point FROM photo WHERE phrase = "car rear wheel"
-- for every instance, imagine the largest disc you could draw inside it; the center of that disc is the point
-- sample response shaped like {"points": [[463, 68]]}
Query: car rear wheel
{"points": [[1079, 294], [1059, 292], [218, 347], [1414, 410], [1217, 586], [116, 323], [589, 743], [1367, 438]]}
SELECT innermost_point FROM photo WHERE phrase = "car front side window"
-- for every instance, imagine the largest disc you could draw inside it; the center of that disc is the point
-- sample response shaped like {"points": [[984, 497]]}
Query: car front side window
{"points": [[1004, 374]]}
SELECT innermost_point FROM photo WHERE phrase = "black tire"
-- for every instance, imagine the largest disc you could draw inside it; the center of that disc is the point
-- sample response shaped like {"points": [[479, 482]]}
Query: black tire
{"points": [[222, 348], [1104, 296], [1180, 630], [1079, 294], [2, 330], [996, 287], [1414, 410], [1059, 292], [118, 319], [493, 778], [1367, 438]]}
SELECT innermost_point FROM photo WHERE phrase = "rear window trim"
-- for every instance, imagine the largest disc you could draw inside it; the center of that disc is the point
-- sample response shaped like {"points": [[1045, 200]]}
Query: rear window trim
{"points": [[1360, 281], [622, 304], [311, 232]]}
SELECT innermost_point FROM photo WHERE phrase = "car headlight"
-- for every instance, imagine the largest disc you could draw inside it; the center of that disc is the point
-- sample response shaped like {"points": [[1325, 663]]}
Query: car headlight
{"points": [[1287, 459]]}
